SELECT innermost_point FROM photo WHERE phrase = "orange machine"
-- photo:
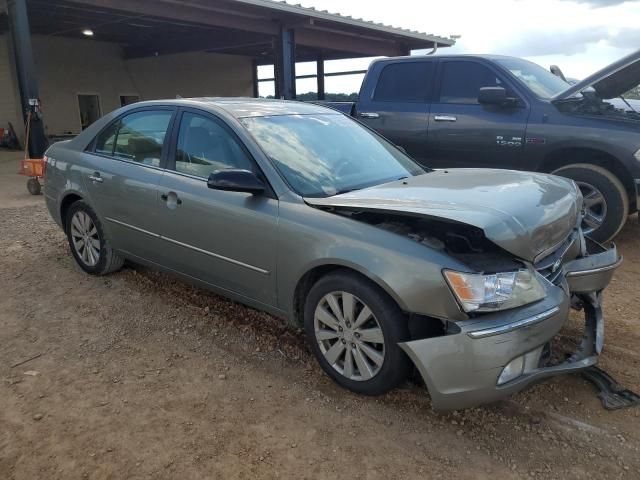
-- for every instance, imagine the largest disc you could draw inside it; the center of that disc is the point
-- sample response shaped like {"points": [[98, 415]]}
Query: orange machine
{"points": [[32, 167]]}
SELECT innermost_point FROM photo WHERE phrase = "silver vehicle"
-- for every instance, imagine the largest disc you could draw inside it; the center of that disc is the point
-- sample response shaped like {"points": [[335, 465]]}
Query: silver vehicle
{"points": [[301, 211]]}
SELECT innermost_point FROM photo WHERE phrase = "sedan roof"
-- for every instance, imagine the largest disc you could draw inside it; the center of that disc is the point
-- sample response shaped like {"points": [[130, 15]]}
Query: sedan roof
{"points": [[258, 107]]}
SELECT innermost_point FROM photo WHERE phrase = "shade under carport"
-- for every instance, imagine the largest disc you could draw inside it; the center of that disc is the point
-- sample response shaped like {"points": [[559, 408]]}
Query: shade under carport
{"points": [[269, 32]]}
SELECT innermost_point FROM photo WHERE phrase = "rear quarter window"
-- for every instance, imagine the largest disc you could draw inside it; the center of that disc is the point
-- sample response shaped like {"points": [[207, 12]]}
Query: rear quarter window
{"points": [[106, 140], [408, 82]]}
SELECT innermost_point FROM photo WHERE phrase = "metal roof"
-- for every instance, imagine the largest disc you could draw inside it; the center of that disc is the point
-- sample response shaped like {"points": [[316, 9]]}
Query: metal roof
{"points": [[312, 12], [146, 28]]}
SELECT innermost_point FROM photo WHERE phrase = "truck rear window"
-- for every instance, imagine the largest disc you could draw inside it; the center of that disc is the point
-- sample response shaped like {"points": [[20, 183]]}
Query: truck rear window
{"points": [[408, 82]]}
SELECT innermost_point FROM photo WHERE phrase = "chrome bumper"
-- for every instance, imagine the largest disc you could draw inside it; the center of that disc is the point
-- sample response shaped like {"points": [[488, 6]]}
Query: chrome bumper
{"points": [[463, 369]]}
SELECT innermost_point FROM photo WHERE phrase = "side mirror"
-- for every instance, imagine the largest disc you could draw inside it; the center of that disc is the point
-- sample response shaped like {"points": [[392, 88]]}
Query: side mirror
{"points": [[236, 180], [495, 96]]}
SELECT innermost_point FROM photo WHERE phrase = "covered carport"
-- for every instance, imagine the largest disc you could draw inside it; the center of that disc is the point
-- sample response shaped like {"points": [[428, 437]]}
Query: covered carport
{"points": [[253, 32]]}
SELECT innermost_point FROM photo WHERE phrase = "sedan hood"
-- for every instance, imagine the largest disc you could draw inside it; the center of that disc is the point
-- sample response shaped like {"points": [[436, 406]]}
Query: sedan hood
{"points": [[610, 82], [523, 213]]}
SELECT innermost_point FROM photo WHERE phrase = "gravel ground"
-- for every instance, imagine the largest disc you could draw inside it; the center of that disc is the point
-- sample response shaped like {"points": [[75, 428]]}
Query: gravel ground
{"points": [[138, 375]]}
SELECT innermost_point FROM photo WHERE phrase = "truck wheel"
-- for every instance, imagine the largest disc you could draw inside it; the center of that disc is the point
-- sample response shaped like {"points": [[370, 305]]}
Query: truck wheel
{"points": [[606, 203], [354, 329]]}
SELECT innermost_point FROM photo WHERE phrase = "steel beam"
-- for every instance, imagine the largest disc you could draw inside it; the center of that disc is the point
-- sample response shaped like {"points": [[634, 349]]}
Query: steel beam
{"points": [[27, 75], [254, 68], [320, 75], [285, 65]]}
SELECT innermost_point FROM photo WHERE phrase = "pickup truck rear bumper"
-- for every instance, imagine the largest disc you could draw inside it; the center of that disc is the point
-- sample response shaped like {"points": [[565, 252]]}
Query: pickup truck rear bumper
{"points": [[496, 355]]}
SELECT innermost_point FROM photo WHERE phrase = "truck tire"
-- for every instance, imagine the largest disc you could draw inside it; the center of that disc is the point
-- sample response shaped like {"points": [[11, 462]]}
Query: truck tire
{"points": [[606, 203]]}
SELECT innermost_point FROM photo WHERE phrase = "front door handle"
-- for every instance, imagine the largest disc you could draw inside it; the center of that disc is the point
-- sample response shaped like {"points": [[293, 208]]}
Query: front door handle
{"points": [[96, 178], [171, 198], [445, 118], [369, 115]]}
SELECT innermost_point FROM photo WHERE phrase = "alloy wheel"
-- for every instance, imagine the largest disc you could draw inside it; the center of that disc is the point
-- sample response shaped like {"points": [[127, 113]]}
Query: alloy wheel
{"points": [[349, 336], [594, 207], [86, 240]]}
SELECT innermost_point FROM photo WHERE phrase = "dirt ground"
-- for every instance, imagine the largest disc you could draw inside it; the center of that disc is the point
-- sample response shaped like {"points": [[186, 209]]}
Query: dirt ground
{"points": [[137, 375]]}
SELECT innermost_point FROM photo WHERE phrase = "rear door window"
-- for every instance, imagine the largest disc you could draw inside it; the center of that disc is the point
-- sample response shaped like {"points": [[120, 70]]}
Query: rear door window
{"points": [[461, 81], [141, 136], [406, 82]]}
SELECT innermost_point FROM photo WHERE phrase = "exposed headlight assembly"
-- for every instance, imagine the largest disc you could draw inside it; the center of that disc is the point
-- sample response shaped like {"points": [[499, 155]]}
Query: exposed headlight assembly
{"points": [[499, 291]]}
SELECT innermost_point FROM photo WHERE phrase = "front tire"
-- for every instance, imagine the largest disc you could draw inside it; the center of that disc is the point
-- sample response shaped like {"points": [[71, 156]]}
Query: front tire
{"points": [[89, 245], [354, 329], [606, 203]]}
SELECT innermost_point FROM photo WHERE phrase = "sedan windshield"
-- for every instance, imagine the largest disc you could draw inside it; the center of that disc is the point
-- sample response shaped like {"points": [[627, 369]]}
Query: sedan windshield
{"points": [[542, 82], [327, 154]]}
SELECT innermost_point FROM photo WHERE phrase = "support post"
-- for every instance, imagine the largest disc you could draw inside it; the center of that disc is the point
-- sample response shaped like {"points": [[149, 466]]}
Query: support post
{"points": [[256, 91], [285, 65], [27, 75], [320, 77]]}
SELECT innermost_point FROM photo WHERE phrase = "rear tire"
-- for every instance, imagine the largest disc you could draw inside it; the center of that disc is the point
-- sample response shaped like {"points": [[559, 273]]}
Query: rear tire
{"points": [[606, 202], [89, 245], [360, 355]]}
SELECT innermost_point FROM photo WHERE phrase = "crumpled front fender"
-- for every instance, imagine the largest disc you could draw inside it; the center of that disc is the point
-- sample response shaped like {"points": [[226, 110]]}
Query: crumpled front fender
{"points": [[462, 370]]}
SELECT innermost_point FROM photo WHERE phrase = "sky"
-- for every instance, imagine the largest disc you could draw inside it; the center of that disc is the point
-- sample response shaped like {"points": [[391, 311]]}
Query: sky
{"points": [[580, 36]]}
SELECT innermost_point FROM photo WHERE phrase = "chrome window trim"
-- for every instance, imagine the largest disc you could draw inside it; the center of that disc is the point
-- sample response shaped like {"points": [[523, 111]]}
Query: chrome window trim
{"points": [[187, 175], [191, 247], [131, 162], [152, 167], [510, 327]]}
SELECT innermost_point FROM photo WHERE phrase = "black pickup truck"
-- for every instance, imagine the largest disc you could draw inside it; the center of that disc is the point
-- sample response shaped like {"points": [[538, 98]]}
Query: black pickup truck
{"points": [[504, 112]]}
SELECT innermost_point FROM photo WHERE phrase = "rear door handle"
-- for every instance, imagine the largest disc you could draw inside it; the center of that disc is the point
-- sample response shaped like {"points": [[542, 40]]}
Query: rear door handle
{"points": [[445, 118], [369, 115], [96, 178]]}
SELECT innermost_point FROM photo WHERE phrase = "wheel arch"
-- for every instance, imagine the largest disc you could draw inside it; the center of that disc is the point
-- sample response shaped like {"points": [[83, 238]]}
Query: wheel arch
{"points": [[66, 202], [566, 156], [314, 273]]}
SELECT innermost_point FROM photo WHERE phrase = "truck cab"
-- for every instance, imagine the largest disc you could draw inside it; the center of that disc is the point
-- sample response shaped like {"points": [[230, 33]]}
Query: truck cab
{"points": [[505, 112]]}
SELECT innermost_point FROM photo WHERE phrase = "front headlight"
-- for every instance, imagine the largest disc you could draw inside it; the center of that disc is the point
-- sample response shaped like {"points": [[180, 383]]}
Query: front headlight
{"points": [[637, 155], [500, 291]]}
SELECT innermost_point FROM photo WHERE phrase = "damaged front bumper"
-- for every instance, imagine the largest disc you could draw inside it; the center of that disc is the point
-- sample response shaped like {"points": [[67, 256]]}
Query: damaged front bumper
{"points": [[495, 355]]}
